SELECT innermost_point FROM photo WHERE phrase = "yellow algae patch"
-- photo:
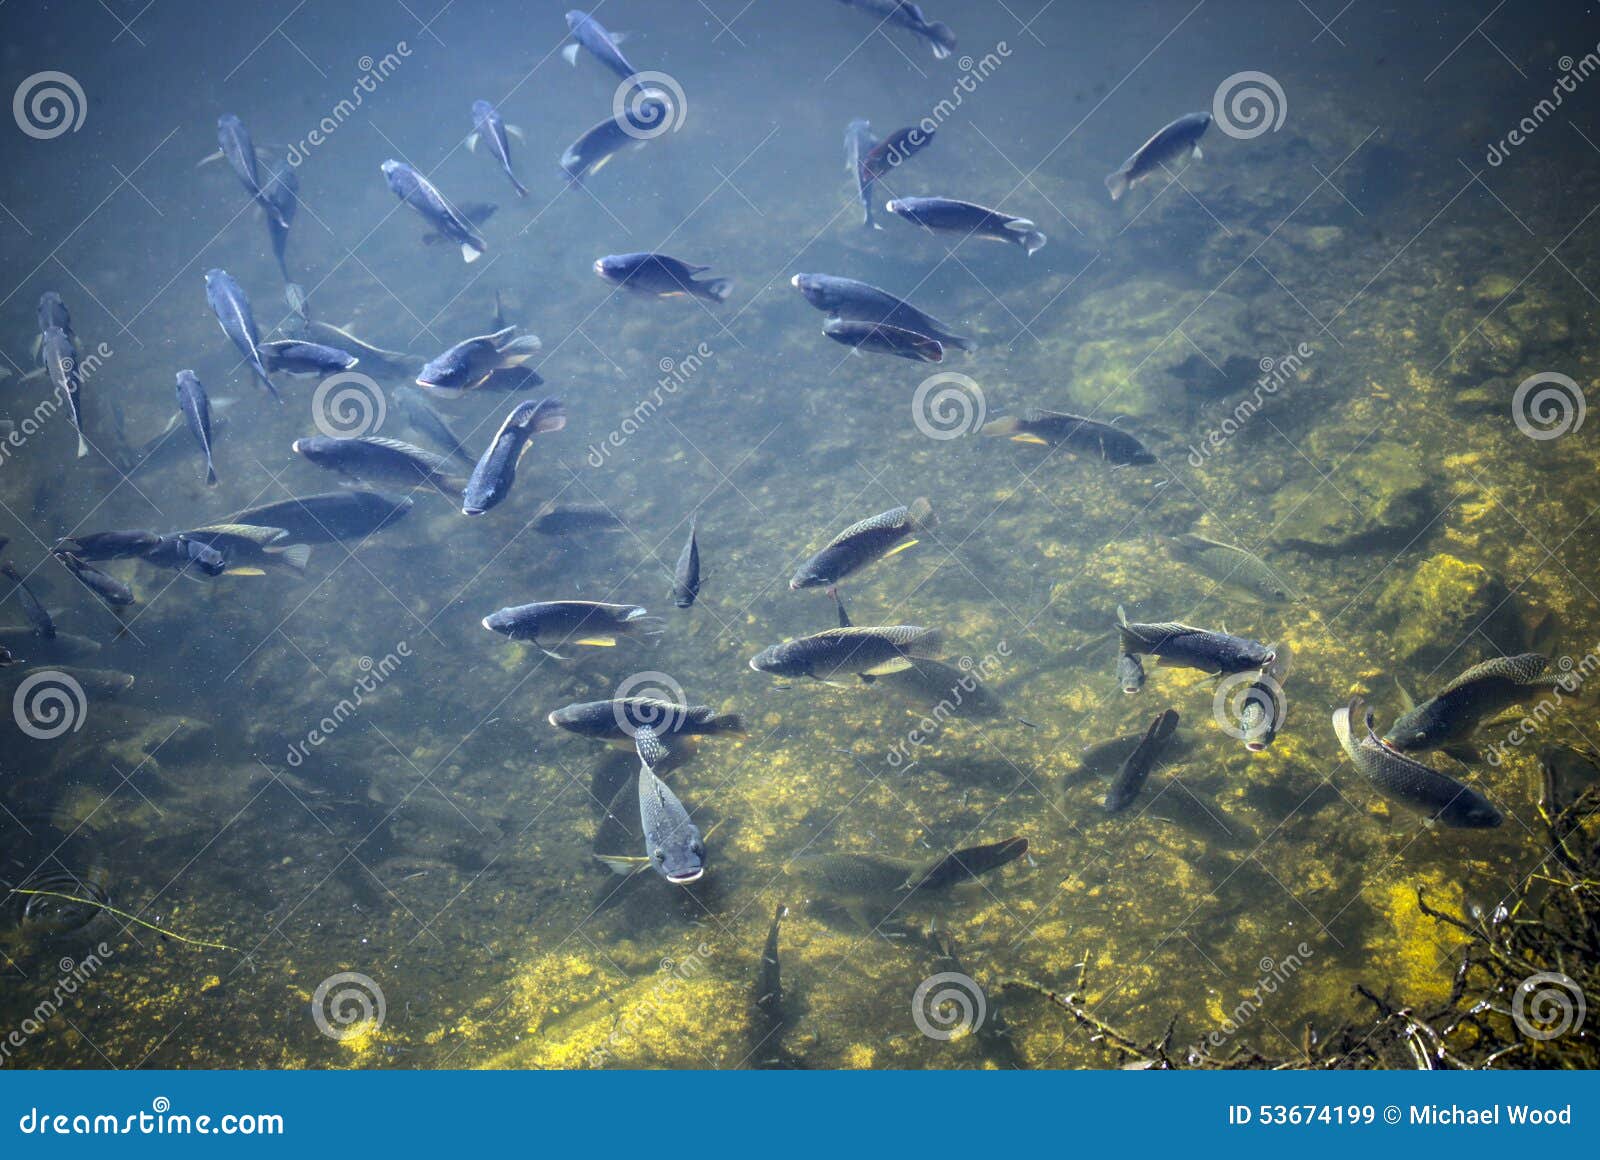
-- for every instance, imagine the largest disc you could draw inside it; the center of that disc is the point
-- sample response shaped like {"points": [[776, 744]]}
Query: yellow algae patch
{"points": [[1417, 953]]}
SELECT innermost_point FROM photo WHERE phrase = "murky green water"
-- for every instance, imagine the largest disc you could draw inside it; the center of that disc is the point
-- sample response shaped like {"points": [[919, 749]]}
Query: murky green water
{"points": [[1320, 331]]}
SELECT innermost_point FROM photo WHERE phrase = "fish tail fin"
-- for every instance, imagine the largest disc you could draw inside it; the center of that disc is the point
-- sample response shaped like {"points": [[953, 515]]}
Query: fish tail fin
{"points": [[1033, 241], [83, 446], [943, 39], [211, 474], [470, 252], [920, 515], [297, 556], [549, 415], [719, 288], [1009, 426], [522, 190], [1117, 184]]}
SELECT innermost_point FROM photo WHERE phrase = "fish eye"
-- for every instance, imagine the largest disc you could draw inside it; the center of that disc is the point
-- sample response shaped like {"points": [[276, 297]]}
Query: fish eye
{"points": [[661, 856]]}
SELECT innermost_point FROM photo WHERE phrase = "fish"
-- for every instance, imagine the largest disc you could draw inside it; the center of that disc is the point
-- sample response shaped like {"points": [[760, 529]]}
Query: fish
{"points": [[1186, 647], [107, 587], [1231, 565], [489, 126], [51, 311], [948, 690], [195, 408], [9, 658], [240, 153], [892, 882], [858, 142], [376, 459], [1130, 673], [391, 361], [671, 839], [187, 556], [95, 683], [1454, 713], [294, 356], [1262, 712], [496, 469], [589, 33], [1106, 757], [769, 980], [282, 193], [857, 301], [294, 295], [663, 276], [1135, 768], [232, 308], [549, 623], [619, 719], [865, 542], [60, 354], [892, 152], [474, 212], [631, 128], [248, 549], [567, 519], [426, 421], [1075, 433], [864, 652], [419, 193], [64, 648], [686, 573], [1404, 779], [351, 514], [1170, 142], [969, 219], [470, 363], [44, 626], [118, 545], [884, 339], [904, 14]]}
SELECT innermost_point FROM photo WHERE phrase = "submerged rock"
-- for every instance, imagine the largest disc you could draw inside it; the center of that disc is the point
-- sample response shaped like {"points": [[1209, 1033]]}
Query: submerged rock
{"points": [[1432, 609], [1379, 497]]}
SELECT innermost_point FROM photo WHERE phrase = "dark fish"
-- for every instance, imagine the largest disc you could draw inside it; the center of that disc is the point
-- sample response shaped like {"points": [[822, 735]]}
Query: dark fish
{"points": [[471, 362], [686, 575], [857, 301], [864, 652], [570, 519], [488, 125], [107, 587], [858, 142], [1130, 673], [26, 645], [618, 720], [187, 556], [120, 545], [769, 980], [195, 408], [293, 356], [295, 296], [248, 550], [592, 35], [969, 219], [892, 152], [1106, 757], [351, 514], [52, 311], [904, 14], [418, 193], [663, 276], [551, 623], [671, 839], [1193, 648], [879, 878], [1137, 765], [1264, 706], [883, 339], [60, 355], [241, 155], [392, 361], [1407, 780], [232, 308], [282, 192], [378, 460], [875, 538], [944, 690], [1230, 565], [1169, 144], [1075, 433], [32, 607], [966, 865], [496, 470], [426, 421], [95, 683], [1455, 711], [632, 128]]}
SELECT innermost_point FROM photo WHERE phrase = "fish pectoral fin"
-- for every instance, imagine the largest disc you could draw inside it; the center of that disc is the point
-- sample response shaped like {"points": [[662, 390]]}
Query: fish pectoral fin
{"points": [[896, 665], [598, 641], [1195, 152], [516, 131], [1406, 699], [901, 547], [470, 253], [570, 55], [472, 141], [208, 159], [1024, 437], [622, 864], [551, 653], [247, 570]]}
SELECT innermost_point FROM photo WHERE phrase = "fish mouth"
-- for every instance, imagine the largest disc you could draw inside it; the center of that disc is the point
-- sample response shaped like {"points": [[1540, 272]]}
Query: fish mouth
{"points": [[683, 878], [1256, 746], [600, 267], [475, 511], [795, 281]]}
